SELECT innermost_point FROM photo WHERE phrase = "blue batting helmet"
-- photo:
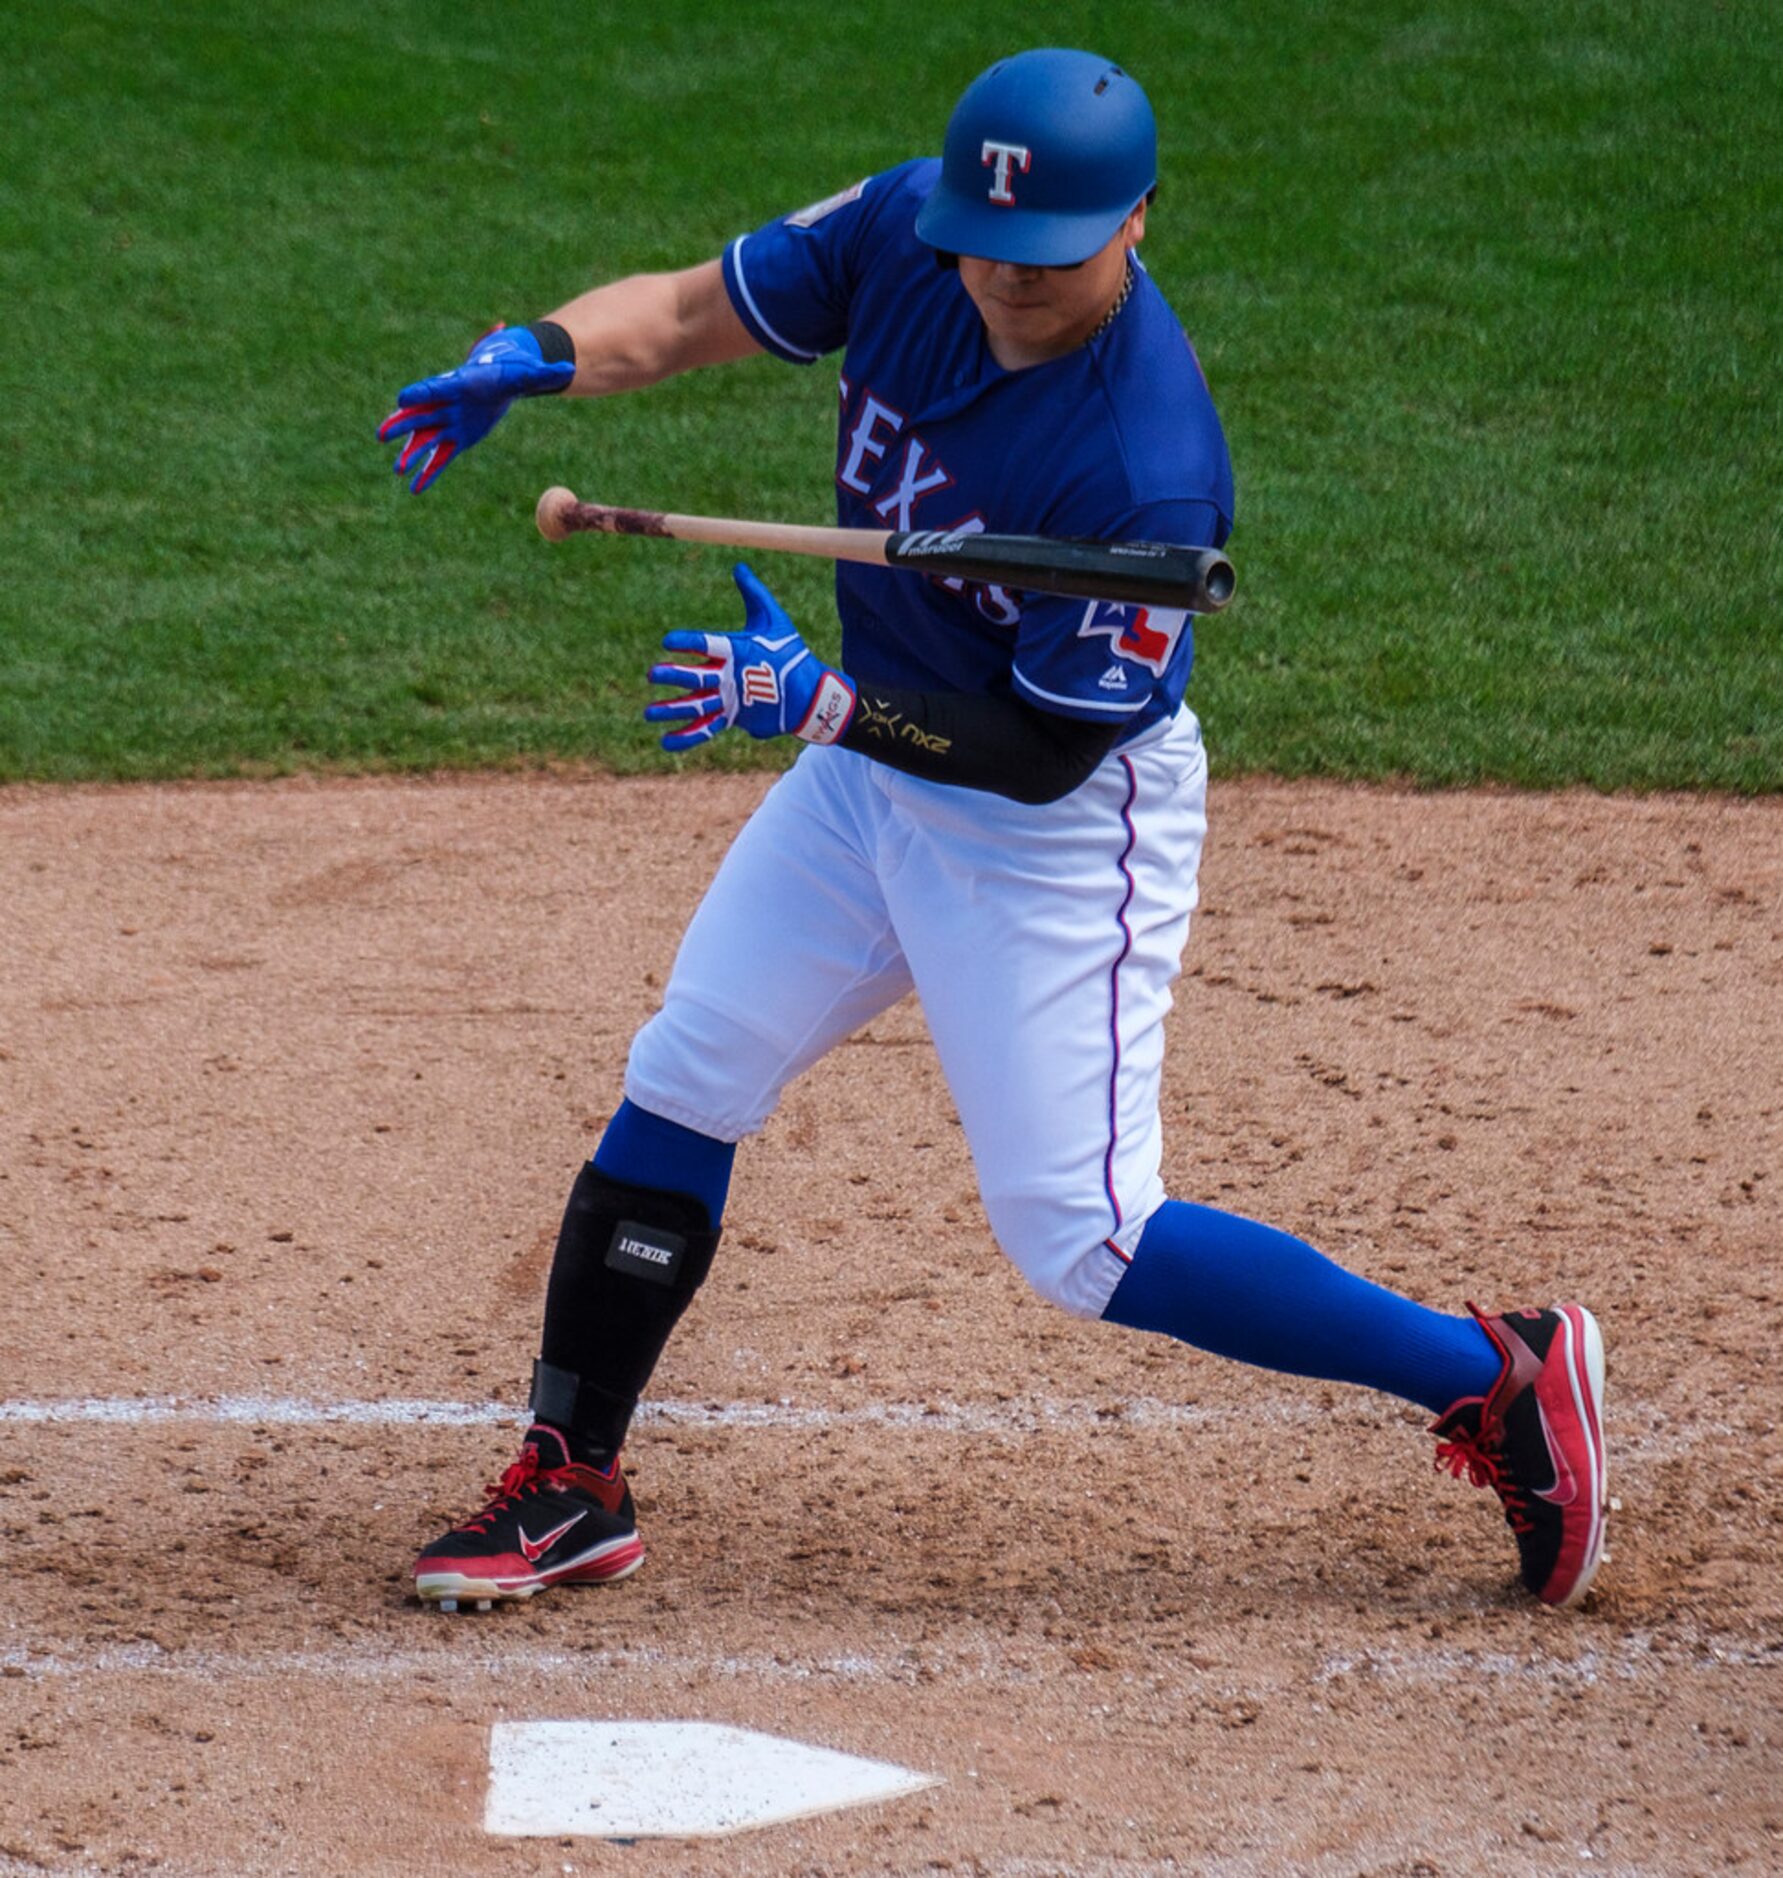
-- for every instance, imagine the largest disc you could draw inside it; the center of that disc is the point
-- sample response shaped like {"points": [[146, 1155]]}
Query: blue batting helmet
{"points": [[1046, 155]]}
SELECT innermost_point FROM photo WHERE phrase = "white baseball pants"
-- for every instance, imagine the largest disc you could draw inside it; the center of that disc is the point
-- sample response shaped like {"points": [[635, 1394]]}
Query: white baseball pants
{"points": [[1042, 943]]}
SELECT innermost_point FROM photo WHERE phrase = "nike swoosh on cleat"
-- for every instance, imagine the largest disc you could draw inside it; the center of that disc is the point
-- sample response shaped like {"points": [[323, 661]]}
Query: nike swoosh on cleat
{"points": [[533, 1547], [1565, 1489]]}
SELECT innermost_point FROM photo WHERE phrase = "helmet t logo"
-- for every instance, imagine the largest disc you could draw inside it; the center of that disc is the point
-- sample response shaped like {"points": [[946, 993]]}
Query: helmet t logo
{"points": [[1002, 157]]}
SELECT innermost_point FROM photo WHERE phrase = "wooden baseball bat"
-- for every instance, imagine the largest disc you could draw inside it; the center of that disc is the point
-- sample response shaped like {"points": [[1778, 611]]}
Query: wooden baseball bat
{"points": [[1150, 573]]}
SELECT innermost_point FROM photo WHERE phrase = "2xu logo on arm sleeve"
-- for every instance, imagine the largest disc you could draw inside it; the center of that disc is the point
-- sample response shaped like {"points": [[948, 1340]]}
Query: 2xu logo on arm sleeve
{"points": [[646, 1252]]}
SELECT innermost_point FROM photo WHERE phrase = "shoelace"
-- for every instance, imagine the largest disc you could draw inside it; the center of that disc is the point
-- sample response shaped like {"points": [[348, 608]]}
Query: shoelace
{"points": [[1482, 1460], [522, 1476]]}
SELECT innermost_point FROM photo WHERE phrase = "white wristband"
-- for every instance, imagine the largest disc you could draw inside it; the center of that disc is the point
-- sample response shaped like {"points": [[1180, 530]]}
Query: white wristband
{"points": [[831, 712]]}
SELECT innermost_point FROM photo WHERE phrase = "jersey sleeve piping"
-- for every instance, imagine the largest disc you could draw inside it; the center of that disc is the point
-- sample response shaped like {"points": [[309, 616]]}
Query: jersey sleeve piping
{"points": [[744, 301], [1058, 700]]}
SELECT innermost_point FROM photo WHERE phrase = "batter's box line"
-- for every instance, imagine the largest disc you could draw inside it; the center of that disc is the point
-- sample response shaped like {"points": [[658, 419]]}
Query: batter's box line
{"points": [[1638, 1431], [1634, 1657]]}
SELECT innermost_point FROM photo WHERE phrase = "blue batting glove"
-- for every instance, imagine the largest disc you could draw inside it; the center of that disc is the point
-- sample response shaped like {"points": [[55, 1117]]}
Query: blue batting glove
{"points": [[764, 679], [443, 415]]}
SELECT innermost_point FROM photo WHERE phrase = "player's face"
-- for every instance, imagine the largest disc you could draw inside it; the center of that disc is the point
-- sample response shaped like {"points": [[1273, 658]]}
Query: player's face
{"points": [[1032, 314]]}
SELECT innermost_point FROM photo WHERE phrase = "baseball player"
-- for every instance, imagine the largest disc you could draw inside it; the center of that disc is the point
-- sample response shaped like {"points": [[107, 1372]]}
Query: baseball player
{"points": [[1000, 805]]}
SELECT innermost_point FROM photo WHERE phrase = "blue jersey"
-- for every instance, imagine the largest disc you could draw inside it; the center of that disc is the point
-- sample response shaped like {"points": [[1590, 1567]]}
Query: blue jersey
{"points": [[1116, 440]]}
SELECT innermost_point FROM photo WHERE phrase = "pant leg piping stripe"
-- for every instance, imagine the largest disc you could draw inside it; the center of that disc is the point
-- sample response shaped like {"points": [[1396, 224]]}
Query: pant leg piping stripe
{"points": [[1114, 993]]}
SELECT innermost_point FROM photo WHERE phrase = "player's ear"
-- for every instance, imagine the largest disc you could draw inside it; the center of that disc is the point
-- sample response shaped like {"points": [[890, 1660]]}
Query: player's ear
{"points": [[1135, 229]]}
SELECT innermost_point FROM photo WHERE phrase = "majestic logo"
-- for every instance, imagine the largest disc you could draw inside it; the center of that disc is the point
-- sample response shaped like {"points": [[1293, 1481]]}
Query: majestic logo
{"points": [[1146, 635], [759, 686], [533, 1547], [1114, 679], [1003, 159]]}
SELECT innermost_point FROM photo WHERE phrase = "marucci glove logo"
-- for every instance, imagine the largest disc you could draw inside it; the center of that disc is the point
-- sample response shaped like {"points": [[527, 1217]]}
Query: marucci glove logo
{"points": [[759, 685]]}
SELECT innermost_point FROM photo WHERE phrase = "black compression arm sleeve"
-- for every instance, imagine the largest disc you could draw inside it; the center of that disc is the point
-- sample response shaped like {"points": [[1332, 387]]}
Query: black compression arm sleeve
{"points": [[997, 744]]}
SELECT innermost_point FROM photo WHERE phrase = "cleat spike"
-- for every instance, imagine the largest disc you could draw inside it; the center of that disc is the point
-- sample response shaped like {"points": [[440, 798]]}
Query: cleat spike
{"points": [[448, 1605], [485, 1604]]}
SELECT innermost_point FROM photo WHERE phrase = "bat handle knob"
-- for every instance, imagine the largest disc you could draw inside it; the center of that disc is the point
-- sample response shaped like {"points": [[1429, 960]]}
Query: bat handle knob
{"points": [[553, 514]]}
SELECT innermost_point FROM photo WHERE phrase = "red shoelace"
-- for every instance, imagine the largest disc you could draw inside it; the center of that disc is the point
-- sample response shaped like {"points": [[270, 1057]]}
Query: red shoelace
{"points": [[522, 1474], [1482, 1461]]}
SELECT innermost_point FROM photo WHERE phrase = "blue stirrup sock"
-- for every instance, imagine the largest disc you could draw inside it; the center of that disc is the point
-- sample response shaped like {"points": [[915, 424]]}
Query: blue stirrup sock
{"points": [[645, 1150], [1259, 1295]]}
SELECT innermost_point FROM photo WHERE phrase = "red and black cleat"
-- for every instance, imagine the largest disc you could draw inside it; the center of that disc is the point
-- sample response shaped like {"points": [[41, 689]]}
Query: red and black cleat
{"points": [[548, 1521], [1537, 1441]]}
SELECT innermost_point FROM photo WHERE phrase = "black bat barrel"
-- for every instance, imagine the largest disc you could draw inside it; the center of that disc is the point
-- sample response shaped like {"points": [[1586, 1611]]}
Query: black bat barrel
{"points": [[1148, 573]]}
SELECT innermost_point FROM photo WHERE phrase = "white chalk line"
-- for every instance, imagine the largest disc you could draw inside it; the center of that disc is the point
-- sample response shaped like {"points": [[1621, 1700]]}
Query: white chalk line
{"points": [[1629, 1659], [463, 1654], [1010, 1417], [460, 1654], [1637, 1431]]}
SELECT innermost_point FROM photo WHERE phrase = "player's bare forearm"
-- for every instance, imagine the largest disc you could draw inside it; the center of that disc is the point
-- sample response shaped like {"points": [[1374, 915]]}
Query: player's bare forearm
{"points": [[648, 327]]}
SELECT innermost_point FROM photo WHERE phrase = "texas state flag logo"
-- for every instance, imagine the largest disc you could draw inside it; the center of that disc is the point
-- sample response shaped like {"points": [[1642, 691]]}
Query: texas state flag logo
{"points": [[1145, 634]]}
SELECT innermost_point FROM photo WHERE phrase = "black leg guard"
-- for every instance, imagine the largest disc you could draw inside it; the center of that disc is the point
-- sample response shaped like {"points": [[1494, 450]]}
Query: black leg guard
{"points": [[628, 1262]]}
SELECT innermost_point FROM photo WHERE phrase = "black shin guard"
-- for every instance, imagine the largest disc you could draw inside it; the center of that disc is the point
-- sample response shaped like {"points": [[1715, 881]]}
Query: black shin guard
{"points": [[628, 1262]]}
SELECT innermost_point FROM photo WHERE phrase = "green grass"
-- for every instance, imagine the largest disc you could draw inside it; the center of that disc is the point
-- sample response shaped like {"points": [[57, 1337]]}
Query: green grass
{"points": [[1487, 296]]}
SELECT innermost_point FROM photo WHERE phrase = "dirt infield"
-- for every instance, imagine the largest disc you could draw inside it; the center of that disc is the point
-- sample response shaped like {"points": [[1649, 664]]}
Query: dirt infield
{"points": [[293, 1080]]}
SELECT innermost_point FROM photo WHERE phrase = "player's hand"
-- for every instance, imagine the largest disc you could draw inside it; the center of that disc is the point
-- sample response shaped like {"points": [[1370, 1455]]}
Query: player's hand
{"points": [[764, 679], [443, 415]]}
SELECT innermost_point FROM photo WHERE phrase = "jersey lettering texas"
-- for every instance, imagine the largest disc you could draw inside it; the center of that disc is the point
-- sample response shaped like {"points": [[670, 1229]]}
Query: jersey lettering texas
{"points": [[862, 459], [914, 482], [875, 427]]}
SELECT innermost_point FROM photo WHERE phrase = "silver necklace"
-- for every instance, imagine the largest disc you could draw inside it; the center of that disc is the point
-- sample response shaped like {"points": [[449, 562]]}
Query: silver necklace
{"points": [[1113, 312]]}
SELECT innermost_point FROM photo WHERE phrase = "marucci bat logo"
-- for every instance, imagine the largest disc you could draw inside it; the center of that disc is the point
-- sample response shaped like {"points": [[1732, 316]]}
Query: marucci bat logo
{"points": [[927, 541]]}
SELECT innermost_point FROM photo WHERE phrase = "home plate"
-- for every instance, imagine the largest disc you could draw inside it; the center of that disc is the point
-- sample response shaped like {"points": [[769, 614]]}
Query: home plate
{"points": [[669, 1779]]}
